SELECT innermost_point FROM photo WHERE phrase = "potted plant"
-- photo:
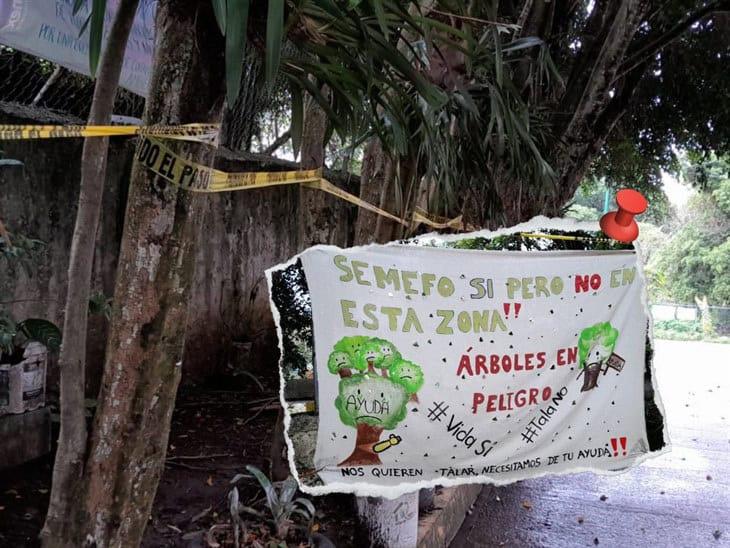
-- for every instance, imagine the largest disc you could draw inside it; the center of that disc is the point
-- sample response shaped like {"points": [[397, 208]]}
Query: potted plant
{"points": [[24, 348]]}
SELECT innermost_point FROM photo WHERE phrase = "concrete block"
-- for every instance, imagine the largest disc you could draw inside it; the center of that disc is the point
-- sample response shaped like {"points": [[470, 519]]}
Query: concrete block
{"points": [[24, 437], [438, 528]]}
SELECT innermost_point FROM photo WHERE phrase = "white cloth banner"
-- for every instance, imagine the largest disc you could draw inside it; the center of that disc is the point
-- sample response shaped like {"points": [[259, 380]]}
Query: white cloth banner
{"points": [[445, 366], [48, 29]]}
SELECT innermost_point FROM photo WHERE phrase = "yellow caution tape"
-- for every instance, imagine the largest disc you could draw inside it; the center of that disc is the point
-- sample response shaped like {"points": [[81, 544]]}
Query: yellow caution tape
{"points": [[198, 178], [324, 184], [202, 133], [195, 177], [434, 221], [159, 158]]}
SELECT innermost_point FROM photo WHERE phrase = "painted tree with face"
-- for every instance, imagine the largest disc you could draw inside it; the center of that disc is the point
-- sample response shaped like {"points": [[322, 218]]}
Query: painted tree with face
{"points": [[595, 346], [367, 400]]}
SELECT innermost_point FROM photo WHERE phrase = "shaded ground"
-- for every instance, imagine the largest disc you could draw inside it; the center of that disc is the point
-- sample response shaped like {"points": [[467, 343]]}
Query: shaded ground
{"points": [[216, 431], [678, 499]]}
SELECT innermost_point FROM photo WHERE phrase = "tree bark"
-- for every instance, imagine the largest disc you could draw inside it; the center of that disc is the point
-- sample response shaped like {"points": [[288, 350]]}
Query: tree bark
{"points": [[144, 351], [377, 172], [363, 454], [68, 466], [318, 215]]}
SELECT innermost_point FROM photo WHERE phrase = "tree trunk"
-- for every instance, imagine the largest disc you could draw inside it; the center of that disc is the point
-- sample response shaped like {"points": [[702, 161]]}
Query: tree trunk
{"points": [[363, 454], [318, 211], [68, 466], [377, 172], [144, 351]]}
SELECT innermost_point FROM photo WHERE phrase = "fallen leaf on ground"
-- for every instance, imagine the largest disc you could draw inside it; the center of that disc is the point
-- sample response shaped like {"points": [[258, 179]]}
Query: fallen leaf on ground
{"points": [[526, 504], [580, 519], [603, 497]]}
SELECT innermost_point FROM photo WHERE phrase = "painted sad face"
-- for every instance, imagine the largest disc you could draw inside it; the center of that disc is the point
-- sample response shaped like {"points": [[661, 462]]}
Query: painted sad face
{"points": [[372, 354], [598, 354], [372, 400], [408, 374], [339, 360]]}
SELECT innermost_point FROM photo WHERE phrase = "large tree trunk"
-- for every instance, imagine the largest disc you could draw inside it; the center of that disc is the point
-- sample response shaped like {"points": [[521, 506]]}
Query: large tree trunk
{"points": [[68, 466], [143, 361], [375, 180], [318, 211]]}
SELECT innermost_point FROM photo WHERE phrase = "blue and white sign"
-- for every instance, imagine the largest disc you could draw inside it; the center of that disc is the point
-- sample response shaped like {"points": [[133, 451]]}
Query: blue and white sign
{"points": [[49, 29]]}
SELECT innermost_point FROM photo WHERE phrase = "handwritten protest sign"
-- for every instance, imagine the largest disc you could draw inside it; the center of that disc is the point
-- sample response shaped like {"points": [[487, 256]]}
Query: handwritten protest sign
{"points": [[52, 31], [444, 366]]}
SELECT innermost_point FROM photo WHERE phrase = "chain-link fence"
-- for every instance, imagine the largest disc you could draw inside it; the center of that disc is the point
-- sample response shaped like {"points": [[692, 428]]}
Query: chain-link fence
{"points": [[35, 82], [260, 117]]}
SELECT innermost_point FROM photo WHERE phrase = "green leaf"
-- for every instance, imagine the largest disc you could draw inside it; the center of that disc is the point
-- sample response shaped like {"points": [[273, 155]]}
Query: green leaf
{"points": [[272, 499], [96, 31], [274, 37], [77, 6], [380, 14], [288, 490], [523, 43], [307, 504], [219, 9], [43, 331], [297, 118], [236, 25], [82, 30]]}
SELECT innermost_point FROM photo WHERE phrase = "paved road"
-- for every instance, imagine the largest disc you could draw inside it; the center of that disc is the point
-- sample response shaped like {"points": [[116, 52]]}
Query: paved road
{"points": [[678, 499]]}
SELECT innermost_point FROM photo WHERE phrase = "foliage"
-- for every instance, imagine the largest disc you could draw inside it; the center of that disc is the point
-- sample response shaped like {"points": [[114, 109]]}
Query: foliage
{"points": [[590, 198], [282, 503], [14, 335], [100, 305], [684, 330], [602, 335], [18, 249], [696, 259], [379, 353], [407, 374], [677, 104], [583, 213], [290, 294], [367, 397]]}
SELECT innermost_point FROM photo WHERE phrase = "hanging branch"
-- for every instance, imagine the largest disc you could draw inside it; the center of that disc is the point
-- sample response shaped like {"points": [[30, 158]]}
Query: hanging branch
{"points": [[670, 35]]}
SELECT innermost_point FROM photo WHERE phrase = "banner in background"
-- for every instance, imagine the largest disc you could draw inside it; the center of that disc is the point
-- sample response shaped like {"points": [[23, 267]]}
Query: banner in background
{"points": [[452, 366], [48, 29]]}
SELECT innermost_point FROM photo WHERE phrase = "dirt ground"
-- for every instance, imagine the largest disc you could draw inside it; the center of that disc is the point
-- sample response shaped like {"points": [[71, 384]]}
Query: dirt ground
{"points": [[217, 430]]}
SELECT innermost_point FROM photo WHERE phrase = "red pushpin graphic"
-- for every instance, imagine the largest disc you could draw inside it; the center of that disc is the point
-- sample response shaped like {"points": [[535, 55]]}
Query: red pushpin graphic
{"points": [[620, 225]]}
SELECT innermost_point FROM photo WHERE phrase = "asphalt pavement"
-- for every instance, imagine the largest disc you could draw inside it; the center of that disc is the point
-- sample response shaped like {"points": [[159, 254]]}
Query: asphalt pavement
{"points": [[678, 499]]}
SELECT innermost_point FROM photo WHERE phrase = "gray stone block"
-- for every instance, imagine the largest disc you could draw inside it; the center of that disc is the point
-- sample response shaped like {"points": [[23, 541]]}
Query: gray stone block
{"points": [[25, 436]]}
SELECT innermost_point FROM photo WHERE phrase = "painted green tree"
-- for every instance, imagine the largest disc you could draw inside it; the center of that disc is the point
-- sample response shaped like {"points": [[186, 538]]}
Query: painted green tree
{"points": [[595, 346], [376, 384]]}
